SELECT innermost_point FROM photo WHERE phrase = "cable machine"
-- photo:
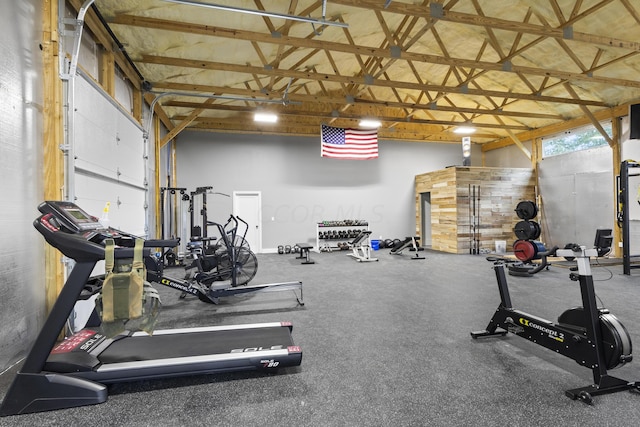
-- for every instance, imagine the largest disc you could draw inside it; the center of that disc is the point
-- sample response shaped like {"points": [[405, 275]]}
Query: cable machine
{"points": [[174, 223], [198, 227], [622, 211], [198, 204]]}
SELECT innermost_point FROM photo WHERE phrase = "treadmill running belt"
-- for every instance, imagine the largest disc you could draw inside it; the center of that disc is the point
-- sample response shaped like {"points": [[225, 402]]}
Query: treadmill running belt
{"points": [[194, 344]]}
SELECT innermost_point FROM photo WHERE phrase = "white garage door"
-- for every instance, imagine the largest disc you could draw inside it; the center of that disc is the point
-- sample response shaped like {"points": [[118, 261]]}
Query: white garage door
{"points": [[110, 161]]}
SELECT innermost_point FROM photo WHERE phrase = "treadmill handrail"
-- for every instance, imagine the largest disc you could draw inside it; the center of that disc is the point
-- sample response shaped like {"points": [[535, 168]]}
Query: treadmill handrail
{"points": [[74, 246]]}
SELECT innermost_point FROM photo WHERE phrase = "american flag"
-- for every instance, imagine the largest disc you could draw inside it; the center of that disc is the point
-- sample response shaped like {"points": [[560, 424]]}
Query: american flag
{"points": [[353, 144]]}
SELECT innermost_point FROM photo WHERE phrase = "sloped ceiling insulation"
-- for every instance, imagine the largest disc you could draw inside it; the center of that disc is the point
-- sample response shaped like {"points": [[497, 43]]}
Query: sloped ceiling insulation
{"points": [[423, 68]]}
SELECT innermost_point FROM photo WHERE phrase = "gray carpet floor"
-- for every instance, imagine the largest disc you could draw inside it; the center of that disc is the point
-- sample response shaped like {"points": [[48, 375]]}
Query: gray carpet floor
{"points": [[385, 344]]}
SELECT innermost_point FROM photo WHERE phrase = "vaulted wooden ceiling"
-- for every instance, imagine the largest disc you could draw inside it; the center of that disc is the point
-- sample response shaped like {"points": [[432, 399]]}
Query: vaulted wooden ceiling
{"points": [[421, 67]]}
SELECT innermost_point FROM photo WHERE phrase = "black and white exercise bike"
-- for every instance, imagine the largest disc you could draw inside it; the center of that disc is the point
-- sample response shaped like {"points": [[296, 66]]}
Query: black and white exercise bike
{"points": [[591, 336]]}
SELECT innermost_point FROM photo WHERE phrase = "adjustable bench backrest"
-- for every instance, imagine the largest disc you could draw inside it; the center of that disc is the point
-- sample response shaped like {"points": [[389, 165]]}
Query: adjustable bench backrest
{"points": [[400, 246], [360, 237]]}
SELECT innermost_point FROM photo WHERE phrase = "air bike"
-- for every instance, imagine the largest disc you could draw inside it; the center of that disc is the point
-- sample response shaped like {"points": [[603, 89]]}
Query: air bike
{"points": [[75, 371], [591, 336], [219, 266]]}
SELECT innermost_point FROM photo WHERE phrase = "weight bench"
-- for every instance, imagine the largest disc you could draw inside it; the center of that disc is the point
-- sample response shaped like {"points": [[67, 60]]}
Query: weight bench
{"points": [[406, 243], [360, 250], [304, 253]]}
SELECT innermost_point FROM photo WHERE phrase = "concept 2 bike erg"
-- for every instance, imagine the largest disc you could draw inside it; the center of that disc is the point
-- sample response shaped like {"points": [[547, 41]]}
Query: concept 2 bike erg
{"points": [[590, 335], [218, 266]]}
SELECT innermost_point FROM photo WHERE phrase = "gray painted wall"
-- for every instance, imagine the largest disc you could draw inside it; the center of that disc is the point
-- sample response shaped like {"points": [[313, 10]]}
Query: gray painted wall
{"points": [[631, 151], [576, 191], [577, 195], [508, 157], [21, 256], [299, 188]]}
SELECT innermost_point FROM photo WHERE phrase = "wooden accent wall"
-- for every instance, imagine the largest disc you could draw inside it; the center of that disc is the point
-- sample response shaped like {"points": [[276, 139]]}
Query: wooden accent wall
{"points": [[500, 191]]}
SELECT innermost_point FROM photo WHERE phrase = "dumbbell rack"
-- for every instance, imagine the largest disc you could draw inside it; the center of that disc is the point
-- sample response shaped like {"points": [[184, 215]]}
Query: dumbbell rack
{"points": [[341, 234]]}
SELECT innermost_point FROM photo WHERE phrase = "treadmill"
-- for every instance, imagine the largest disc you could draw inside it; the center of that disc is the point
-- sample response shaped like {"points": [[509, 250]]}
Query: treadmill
{"points": [[75, 371]]}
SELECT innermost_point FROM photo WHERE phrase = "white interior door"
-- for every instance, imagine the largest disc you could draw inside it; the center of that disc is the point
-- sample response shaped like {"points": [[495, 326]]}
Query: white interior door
{"points": [[248, 206]]}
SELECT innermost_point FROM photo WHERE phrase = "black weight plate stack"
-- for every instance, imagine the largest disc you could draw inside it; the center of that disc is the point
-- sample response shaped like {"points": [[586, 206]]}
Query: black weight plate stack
{"points": [[526, 210], [527, 230], [538, 230]]}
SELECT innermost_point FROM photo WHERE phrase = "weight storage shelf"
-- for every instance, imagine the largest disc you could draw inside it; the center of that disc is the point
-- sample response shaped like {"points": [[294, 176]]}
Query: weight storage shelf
{"points": [[331, 234]]}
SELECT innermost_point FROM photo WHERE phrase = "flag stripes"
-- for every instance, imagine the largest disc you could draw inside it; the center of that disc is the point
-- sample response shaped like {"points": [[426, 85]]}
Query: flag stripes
{"points": [[351, 144]]}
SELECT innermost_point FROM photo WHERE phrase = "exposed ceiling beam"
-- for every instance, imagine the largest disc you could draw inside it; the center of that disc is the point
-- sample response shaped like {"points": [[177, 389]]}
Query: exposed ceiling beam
{"points": [[186, 122], [341, 100], [261, 12], [95, 25], [185, 27], [307, 75], [611, 113], [589, 114], [241, 126], [517, 141], [496, 23], [327, 115]]}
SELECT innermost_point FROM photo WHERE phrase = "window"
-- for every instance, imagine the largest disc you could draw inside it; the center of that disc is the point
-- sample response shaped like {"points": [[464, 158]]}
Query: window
{"points": [[578, 139]]}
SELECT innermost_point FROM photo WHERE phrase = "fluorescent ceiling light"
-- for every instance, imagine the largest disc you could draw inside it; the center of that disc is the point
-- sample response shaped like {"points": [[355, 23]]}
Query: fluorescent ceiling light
{"points": [[464, 130], [265, 118], [370, 123]]}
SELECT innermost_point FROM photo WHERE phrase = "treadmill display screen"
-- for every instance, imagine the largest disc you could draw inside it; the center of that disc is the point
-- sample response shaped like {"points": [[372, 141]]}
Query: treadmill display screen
{"points": [[70, 216], [79, 215]]}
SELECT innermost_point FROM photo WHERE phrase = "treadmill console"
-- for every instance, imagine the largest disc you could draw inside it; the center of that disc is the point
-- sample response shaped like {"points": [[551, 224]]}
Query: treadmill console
{"points": [[70, 217]]}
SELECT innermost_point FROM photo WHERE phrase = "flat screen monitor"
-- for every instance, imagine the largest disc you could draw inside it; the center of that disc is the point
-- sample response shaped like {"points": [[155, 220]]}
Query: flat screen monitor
{"points": [[603, 241]]}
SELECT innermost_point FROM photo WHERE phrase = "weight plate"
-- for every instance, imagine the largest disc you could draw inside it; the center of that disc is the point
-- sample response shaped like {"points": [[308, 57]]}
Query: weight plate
{"points": [[524, 250], [537, 228], [526, 210], [526, 230]]}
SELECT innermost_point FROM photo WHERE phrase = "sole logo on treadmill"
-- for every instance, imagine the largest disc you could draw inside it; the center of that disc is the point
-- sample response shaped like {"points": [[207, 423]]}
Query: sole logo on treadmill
{"points": [[84, 340], [252, 349]]}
